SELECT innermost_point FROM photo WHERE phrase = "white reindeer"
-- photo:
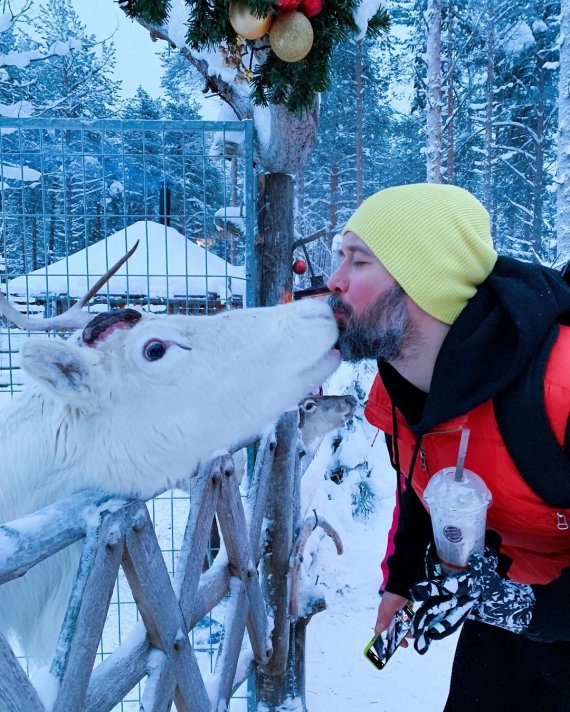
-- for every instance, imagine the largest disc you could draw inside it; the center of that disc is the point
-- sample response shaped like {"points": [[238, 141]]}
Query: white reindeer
{"points": [[132, 405]]}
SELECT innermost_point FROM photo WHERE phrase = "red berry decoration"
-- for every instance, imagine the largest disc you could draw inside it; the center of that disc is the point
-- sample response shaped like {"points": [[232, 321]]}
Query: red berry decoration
{"points": [[287, 5], [299, 266], [311, 8]]}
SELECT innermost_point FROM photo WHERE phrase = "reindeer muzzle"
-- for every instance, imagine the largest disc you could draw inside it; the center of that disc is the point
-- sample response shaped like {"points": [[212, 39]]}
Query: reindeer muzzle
{"points": [[105, 323]]}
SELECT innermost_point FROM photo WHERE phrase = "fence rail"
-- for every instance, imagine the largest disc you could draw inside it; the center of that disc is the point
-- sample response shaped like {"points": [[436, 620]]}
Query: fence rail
{"points": [[119, 533]]}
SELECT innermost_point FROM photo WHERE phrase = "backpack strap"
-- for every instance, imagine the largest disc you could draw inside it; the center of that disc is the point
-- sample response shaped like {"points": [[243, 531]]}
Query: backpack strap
{"points": [[521, 415]]}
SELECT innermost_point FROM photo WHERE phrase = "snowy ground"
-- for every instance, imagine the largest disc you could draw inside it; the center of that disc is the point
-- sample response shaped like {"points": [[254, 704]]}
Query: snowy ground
{"points": [[339, 678]]}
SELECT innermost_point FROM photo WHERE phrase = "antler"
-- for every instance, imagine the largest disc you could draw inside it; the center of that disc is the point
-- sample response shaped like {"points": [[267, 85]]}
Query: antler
{"points": [[73, 318]]}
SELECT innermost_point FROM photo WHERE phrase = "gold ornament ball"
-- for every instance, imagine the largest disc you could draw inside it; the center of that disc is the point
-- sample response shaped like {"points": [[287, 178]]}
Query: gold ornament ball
{"points": [[246, 24], [291, 36]]}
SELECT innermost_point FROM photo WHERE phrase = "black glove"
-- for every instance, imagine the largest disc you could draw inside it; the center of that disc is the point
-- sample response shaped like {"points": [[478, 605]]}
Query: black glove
{"points": [[480, 593]]}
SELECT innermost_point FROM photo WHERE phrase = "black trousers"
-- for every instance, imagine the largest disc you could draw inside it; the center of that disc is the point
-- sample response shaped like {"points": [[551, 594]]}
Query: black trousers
{"points": [[498, 671]]}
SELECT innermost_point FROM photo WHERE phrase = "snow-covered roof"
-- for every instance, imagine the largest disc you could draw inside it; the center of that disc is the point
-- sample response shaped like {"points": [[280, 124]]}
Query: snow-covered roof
{"points": [[232, 218], [162, 251]]}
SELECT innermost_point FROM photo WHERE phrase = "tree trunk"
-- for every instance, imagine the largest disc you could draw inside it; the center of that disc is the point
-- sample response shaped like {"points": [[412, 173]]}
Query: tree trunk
{"points": [[234, 175], [433, 148], [563, 197], [450, 102], [333, 199], [538, 188], [300, 185], [489, 147], [275, 240], [359, 191]]}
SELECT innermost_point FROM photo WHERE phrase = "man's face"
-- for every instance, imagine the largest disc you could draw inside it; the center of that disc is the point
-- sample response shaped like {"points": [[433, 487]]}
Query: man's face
{"points": [[369, 305]]}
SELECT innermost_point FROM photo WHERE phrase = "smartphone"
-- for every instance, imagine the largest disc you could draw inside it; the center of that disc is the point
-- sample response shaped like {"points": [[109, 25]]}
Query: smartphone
{"points": [[381, 648]]}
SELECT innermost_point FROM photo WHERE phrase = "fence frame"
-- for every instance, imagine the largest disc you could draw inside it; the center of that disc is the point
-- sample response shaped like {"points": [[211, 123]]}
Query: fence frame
{"points": [[158, 647]]}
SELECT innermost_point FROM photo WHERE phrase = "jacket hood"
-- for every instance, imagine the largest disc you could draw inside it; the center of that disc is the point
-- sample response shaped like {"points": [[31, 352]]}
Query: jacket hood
{"points": [[494, 338]]}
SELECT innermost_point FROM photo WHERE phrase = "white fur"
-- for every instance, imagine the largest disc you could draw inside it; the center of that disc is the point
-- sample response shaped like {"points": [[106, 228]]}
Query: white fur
{"points": [[105, 417]]}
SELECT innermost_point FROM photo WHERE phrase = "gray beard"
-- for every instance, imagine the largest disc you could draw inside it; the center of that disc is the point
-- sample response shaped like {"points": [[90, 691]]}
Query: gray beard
{"points": [[382, 332]]}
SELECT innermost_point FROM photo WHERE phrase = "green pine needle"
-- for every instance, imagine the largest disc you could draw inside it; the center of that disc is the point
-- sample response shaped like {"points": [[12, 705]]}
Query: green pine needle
{"points": [[155, 11], [293, 84]]}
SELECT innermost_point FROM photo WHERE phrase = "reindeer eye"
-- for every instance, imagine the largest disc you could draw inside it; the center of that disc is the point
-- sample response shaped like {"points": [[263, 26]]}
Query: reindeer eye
{"points": [[154, 350], [309, 406]]}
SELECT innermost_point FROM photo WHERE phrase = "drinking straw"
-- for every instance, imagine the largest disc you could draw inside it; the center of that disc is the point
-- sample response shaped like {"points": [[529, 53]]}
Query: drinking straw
{"points": [[461, 455]]}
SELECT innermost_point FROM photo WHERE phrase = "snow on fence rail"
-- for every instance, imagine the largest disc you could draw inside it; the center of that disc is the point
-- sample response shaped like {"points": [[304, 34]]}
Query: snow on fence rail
{"points": [[118, 533]]}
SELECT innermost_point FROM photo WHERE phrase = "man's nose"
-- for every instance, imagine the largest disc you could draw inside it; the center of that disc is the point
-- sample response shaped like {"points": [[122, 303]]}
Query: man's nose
{"points": [[336, 282]]}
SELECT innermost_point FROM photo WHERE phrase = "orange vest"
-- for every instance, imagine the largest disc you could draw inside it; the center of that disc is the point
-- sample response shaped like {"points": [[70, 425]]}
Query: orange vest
{"points": [[535, 535]]}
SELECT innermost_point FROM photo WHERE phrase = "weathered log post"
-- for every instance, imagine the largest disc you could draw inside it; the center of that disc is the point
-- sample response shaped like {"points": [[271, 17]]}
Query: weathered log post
{"points": [[273, 681]]}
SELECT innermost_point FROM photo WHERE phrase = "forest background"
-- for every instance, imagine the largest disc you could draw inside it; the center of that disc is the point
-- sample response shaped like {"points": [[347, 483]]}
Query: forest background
{"points": [[498, 84]]}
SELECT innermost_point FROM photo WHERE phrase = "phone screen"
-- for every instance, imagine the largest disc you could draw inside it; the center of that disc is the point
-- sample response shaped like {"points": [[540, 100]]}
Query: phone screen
{"points": [[381, 648]]}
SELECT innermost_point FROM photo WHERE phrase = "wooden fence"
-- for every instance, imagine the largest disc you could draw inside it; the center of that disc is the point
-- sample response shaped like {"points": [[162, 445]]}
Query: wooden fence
{"points": [[158, 648]]}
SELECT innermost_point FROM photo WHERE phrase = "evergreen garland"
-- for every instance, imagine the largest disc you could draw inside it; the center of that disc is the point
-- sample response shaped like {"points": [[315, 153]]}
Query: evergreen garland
{"points": [[273, 81]]}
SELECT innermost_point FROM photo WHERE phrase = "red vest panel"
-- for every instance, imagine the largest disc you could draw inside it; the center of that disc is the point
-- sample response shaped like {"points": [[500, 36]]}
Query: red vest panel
{"points": [[535, 535]]}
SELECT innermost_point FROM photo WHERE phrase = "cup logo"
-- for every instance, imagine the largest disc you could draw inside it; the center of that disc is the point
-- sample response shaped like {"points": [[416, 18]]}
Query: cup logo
{"points": [[452, 534]]}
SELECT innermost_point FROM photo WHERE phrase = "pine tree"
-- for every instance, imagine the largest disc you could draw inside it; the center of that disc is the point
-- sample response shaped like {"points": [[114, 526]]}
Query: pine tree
{"points": [[58, 70]]}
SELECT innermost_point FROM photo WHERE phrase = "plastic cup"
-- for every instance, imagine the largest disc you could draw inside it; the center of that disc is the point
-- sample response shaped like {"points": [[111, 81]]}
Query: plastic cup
{"points": [[458, 510]]}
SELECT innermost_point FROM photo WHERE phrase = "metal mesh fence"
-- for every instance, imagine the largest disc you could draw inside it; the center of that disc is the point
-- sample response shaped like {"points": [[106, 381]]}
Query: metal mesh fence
{"points": [[74, 197]]}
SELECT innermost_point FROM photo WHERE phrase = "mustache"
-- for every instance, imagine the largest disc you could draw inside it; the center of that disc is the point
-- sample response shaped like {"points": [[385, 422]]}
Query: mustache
{"points": [[337, 304]]}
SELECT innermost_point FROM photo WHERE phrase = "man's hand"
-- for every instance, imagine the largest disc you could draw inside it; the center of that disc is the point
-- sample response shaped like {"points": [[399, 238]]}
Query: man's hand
{"points": [[390, 604]]}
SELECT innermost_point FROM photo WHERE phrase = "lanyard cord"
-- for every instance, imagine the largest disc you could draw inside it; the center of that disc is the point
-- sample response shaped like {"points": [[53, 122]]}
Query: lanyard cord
{"points": [[397, 455]]}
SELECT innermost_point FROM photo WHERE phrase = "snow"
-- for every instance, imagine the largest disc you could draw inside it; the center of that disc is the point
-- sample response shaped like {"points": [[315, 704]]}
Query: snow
{"points": [[19, 173], [177, 22], [20, 109], [47, 687], [226, 142], [6, 19], [8, 545], [521, 39], [232, 216], [539, 26], [364, 12], [23, 59], [162, 251], [115, 188], [338, 675], [262, 121]]}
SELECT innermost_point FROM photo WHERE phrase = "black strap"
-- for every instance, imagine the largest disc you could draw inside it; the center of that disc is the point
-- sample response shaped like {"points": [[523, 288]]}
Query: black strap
{"points": [[521, 415], [395, 455]]}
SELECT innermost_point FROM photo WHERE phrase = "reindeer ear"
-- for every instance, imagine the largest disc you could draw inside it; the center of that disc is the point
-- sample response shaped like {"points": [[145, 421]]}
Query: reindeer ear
{"points": [[60, 366]]}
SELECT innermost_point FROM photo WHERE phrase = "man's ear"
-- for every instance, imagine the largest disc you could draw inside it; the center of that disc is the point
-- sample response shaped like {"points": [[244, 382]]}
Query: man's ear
{"points": [[63, 368]]}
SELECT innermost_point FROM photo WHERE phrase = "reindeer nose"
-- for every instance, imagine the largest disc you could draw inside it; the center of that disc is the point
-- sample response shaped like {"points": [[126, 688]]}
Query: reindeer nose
{"points": [[351, 400], [102, 324]]}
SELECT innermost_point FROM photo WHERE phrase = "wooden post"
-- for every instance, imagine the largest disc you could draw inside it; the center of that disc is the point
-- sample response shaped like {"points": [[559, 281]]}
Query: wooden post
{"points": [[273, 681], [276, 234]]}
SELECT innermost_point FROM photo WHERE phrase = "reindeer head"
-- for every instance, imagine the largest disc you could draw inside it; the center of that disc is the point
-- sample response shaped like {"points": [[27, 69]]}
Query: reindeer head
{"points": [[319, 415], [150, 396]]}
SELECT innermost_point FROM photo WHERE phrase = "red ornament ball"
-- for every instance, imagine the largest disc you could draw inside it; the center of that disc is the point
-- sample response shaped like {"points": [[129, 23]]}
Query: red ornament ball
{"points": [[311, 8], [287, 5], [299, 266]]}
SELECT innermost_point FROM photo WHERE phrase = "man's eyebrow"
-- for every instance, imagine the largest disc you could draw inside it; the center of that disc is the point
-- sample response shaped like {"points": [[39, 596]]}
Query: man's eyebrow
{"points": [[356, 248]]}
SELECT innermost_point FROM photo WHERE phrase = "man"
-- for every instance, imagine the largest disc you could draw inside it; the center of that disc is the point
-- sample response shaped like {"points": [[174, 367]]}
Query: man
{"points": [[454, 327]]}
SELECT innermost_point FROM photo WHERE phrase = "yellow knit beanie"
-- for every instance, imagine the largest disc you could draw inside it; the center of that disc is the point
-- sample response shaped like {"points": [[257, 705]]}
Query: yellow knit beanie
{"points": [[433, 239]]}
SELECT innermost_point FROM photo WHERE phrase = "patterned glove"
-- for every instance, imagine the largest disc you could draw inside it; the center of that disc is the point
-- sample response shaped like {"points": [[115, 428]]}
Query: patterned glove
{"points": [[446, 602], [479, 593], [502, 602]]}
